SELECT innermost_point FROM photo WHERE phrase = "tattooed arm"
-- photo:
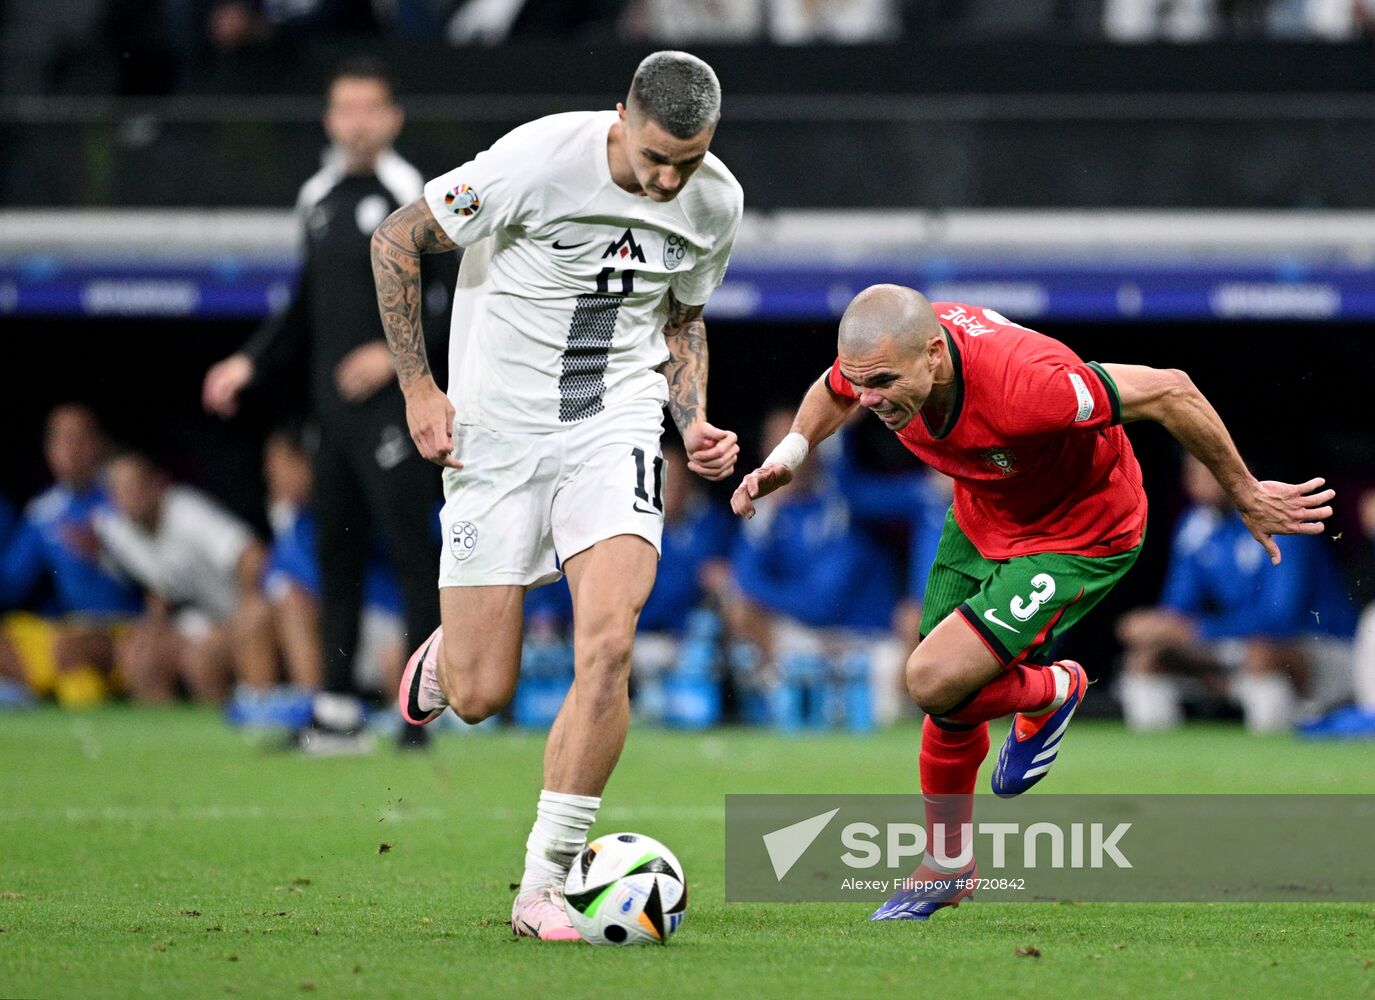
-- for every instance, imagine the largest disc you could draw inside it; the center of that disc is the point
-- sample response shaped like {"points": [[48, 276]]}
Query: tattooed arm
{"points": [[396, 248], [711, 451]]}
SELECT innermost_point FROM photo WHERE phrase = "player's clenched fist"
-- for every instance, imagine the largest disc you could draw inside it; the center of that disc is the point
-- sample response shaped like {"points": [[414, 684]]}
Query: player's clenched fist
{"points": [[430, 418], [711, 451], [759, 483]]}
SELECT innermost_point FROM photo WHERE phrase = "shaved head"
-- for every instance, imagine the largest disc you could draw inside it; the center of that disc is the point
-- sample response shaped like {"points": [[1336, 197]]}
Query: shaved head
{"points": [[887, 313], [893, 355]]}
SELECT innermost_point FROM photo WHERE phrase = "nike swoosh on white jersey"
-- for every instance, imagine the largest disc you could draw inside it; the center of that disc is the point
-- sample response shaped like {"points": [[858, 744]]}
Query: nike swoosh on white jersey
{"points": [[992, 616]]}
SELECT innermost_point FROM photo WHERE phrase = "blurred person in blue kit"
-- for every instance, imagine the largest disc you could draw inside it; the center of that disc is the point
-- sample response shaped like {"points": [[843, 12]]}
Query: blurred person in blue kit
{"points": [[53, 563], [1231, 626], [915, 503], [694, 565], [1357, 720], [806, 580], [368, 475]]}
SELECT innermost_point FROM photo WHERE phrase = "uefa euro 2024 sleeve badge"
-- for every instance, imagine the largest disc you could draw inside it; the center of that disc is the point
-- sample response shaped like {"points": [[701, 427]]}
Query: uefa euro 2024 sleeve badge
{"points": [[463, 200]]}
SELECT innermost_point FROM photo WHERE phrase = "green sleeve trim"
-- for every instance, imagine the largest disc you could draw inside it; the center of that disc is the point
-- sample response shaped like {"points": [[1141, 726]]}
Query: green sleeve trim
{"points": [[1114, 396]]}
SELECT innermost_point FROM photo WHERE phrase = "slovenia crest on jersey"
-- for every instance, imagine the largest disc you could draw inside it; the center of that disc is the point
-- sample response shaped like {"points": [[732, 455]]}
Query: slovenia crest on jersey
{"points": [[675, 249], [1001, 459], [463, 200]]}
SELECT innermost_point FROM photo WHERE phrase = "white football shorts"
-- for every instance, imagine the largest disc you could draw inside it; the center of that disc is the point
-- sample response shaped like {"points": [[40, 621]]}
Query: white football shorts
{"points": [[523, 503]]}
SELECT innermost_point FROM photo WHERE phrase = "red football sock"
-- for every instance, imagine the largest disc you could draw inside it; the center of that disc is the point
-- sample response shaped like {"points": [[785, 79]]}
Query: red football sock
{"points": [[1019, 688], [950, 762]]}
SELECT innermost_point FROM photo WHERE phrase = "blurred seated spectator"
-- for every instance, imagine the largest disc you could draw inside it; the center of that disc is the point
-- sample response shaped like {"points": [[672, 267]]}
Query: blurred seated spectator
{"points": [[782, 22], [14, 683], [291, 580], [1320, 20], [1137, 21], [698, 534], [807, 586], [917, 501], [1365, 633], [1358, 719], [206, 621], [833, 22], [997, 19], [1231, 624], [237, 26], [692, 564], [53, 564], [685, 22], [493, 22]]}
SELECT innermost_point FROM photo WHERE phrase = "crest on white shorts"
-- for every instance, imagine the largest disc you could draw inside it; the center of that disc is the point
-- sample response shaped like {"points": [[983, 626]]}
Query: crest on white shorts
{"points": [[462, 539]]}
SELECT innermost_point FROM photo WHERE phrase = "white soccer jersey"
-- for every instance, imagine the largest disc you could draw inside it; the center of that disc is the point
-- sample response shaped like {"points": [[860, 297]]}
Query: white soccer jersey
{"points": [[561, 295], [192, 557]]}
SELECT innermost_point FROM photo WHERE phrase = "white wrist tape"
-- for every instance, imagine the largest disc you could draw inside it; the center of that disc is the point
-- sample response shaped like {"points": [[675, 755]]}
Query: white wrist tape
{"points": [[791, 451]]}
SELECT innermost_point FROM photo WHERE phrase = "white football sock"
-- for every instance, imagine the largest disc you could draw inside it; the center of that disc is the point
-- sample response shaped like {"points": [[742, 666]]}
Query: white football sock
{"points": [[337, 711], [937, 862], [1267, 701], [559, 834], [1062, 679], [1150, 701], [1363, 660]]}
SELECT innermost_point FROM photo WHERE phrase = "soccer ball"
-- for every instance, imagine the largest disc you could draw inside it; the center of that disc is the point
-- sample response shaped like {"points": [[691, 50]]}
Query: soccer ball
{"points": [[625, 888]]}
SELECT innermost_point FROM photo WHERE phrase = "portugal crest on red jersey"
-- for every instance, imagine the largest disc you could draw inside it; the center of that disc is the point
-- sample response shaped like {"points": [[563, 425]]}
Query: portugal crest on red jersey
{"points": [[1001, 459]]}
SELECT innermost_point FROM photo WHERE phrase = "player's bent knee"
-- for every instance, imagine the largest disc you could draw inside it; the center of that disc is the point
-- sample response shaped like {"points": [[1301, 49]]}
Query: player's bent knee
{"points": [[933, 685], [474, 706]]}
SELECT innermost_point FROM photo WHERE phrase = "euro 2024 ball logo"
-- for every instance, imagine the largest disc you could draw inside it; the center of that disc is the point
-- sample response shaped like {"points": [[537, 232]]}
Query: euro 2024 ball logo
{"points": [[463, 200], [462, 539]]}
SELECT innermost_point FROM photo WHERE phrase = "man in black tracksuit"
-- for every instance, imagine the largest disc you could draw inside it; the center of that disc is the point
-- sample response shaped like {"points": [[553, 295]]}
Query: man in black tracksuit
{"points": [[369, 478]]}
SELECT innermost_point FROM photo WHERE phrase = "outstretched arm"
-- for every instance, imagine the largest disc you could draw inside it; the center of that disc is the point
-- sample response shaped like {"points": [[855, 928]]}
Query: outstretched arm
{"points": [[820, 415], [396, 248], [1269, 508], [711, 452]]}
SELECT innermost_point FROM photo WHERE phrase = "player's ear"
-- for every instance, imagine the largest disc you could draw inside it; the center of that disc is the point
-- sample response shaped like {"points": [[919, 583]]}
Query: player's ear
{"points": [[620, 110], [935, 351]]}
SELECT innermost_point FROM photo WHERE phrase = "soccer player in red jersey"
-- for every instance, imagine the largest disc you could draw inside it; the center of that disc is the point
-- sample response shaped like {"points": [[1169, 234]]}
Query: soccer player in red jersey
{"points": [[1049, 514]]}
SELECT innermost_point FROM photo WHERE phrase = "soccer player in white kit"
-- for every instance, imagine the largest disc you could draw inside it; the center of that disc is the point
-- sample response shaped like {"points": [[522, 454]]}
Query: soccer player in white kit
{"points": [[592, 242]]}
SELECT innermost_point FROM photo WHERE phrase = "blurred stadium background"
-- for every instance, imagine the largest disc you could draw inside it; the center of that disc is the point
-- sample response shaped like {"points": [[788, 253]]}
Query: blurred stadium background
{"points": [[1180, 183]]}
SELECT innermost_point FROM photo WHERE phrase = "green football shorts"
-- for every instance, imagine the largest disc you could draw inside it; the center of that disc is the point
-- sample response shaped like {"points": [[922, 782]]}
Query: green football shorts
{"points": [[1017, 606]]}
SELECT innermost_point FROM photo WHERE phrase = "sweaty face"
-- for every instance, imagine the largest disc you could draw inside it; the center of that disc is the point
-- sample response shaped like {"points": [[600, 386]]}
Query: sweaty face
{"points": [[890, 382], [662, 163], [361, 118]]}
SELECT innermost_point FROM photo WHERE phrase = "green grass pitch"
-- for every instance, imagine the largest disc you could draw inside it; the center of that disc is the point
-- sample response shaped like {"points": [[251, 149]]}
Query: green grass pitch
{"points": [[158, 853]]}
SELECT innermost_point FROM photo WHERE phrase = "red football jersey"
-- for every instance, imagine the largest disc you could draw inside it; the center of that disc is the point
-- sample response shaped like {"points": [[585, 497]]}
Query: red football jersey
{"points": [[1033, 441]]}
